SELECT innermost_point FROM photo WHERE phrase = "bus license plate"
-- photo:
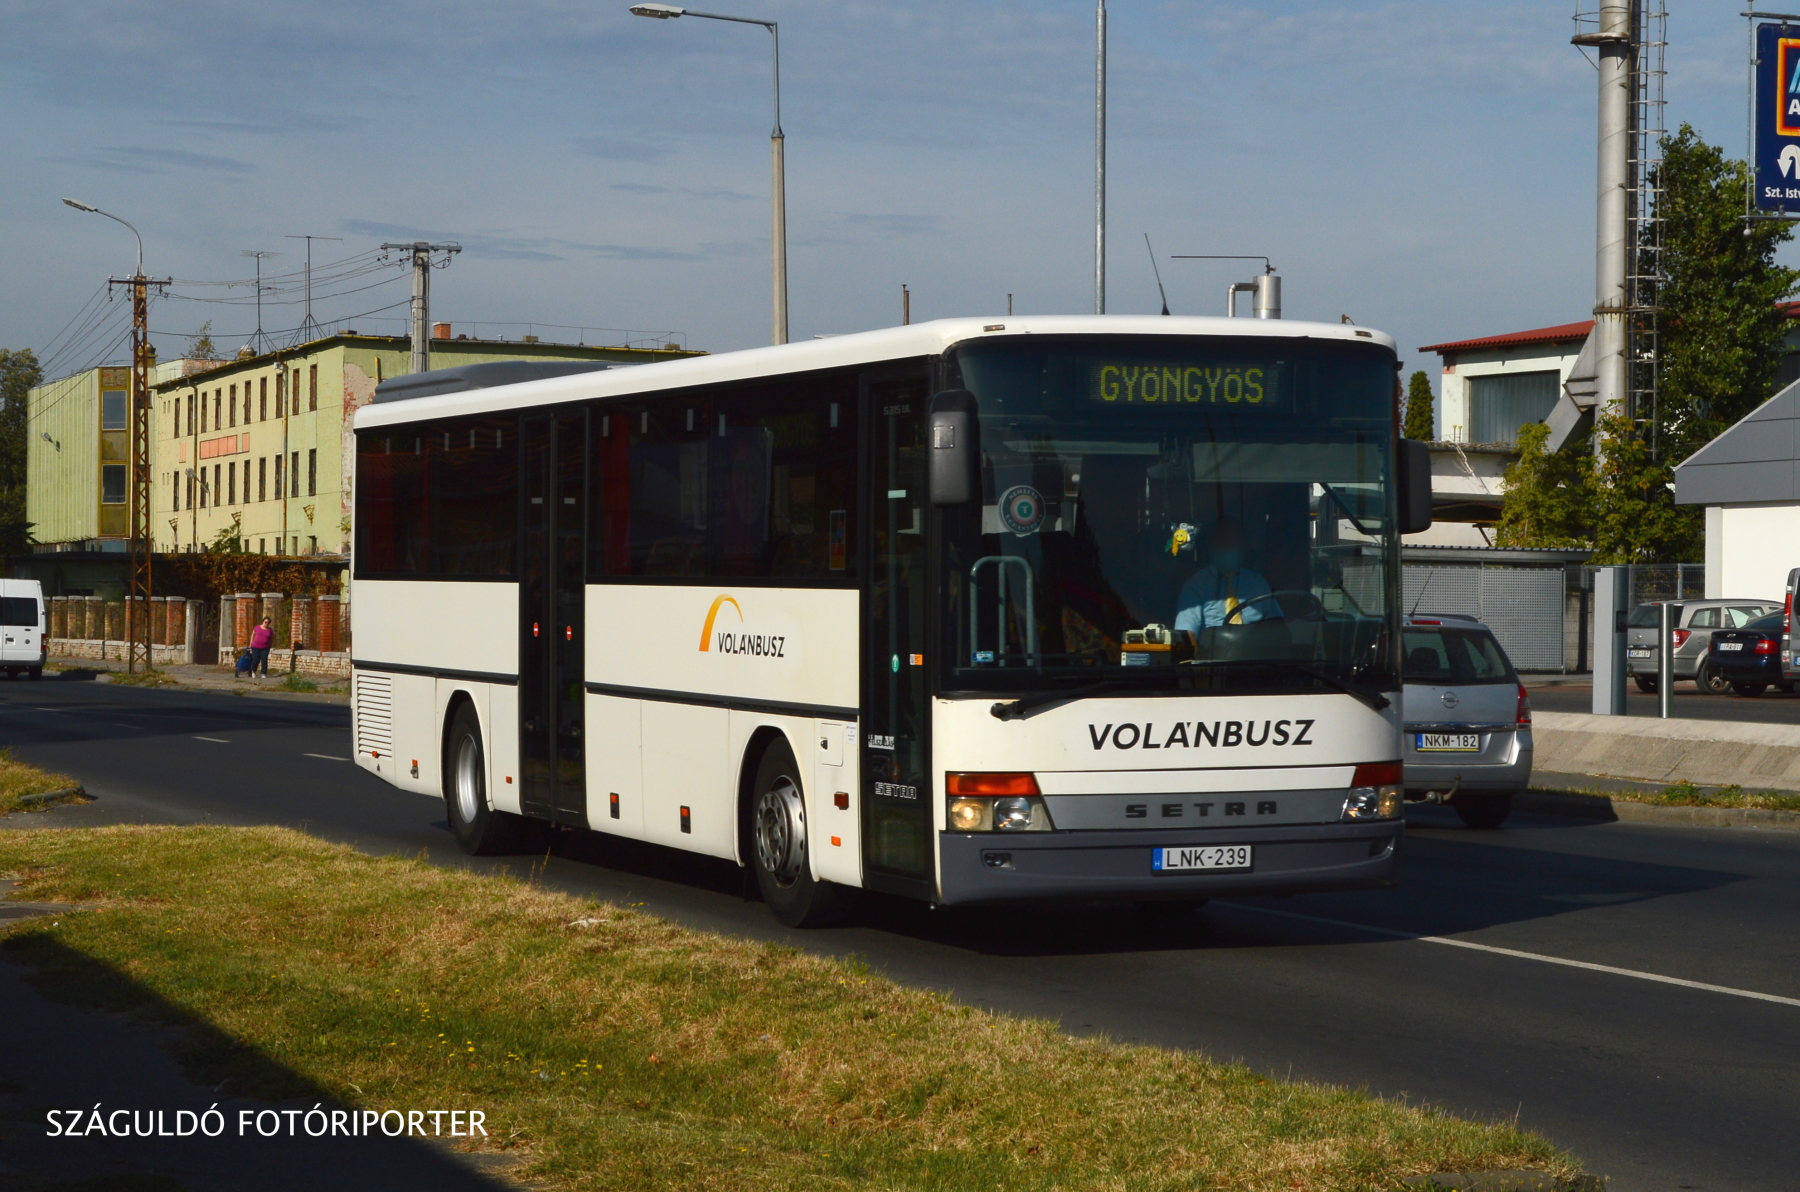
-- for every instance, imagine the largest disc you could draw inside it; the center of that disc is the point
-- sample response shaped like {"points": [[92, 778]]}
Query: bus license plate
{"points": [[1447, 742], [1206, 856]]}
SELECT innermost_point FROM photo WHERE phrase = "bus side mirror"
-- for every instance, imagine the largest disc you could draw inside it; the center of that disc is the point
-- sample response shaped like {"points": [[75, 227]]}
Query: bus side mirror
{"points": [[954, 432], [1415, 487]]}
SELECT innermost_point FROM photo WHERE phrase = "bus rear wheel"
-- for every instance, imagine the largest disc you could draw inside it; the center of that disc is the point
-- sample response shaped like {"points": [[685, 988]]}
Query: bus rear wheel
{"points": [[779, 847], [479, 829]]}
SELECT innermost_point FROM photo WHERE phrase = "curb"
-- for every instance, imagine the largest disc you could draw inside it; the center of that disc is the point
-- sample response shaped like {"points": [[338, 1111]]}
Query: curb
{"points": [[1608, 809], [51, 796]]}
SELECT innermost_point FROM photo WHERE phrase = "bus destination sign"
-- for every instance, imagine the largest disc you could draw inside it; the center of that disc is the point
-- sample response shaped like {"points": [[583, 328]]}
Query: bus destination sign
{"points": [[1154, 383], [1775, 100]]}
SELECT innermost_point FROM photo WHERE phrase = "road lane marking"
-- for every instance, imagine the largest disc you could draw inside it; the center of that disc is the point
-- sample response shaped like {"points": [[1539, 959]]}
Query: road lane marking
{"points": [[1518, 955], [328, 757], [214, 740]]}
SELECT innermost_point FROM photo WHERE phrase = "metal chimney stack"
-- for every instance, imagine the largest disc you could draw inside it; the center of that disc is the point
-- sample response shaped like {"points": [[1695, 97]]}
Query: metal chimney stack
{"points": [[1268, 296], [1613, 41]]}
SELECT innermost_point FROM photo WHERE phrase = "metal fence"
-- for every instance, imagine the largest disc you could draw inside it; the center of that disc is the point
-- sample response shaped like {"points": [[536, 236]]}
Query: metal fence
{"points": [[1647, 583], [1524, 606]]}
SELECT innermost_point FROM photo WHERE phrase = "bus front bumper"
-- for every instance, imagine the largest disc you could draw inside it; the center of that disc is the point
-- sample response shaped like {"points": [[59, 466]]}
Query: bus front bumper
{"points": [[991, 867]]}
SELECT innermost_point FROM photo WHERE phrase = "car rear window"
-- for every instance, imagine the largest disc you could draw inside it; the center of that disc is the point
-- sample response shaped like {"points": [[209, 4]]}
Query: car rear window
{"points": [[1644, 616], [1739, 616], [1772, 621], [18, 610], [1462, 657]]}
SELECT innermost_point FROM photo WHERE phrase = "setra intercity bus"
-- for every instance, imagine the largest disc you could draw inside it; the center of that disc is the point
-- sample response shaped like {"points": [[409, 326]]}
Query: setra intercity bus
{"points": [[969, 612]]}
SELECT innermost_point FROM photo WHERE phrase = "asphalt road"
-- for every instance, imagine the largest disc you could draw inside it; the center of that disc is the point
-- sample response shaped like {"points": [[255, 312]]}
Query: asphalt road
{"points": [[1771, 707], [1657, 1083]]}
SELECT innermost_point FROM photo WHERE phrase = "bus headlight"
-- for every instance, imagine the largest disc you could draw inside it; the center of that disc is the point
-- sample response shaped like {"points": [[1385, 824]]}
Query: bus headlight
{"points": [[995, 803], [1376, 792], [1012, 815], [971, 815]]}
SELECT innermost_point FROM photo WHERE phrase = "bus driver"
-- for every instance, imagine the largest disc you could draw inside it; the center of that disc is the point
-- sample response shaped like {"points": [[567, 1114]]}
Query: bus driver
{"points": [[1213, 595]]}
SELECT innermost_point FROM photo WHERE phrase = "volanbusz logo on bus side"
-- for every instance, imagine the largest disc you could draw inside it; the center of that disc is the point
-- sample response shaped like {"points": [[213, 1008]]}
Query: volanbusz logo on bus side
{"points": [[728, 641], [1218, 734]]}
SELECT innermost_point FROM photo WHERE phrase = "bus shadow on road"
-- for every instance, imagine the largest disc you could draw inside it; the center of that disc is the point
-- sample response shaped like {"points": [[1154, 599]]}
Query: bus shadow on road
{"points": [[100, 1041]]}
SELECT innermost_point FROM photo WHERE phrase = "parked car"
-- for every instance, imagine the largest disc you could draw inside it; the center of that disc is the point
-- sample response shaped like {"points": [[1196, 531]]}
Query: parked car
{"points": [[22, 628], [1695, 623], [1467, 719], [1750, 658]]}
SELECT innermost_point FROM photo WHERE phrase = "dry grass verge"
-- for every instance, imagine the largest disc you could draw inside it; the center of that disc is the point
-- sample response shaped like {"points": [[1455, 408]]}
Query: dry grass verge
{"points": [[622, 1051], [17, 779]]}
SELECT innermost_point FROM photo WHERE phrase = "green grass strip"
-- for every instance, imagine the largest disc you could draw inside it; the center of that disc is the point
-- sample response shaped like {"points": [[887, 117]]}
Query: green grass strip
{"points": [[614, 1049], [18, 779]]}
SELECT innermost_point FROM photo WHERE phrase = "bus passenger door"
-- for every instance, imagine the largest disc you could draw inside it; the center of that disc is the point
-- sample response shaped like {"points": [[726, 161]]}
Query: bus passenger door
{"points": [[552, 579], [896, 779]]}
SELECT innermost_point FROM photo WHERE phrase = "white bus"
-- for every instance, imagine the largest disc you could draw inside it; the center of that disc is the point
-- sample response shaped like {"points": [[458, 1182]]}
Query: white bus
{"points": [[968, 612]]}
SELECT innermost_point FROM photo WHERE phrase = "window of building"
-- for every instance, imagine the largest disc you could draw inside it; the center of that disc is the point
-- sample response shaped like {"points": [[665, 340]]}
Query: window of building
{"points": [[262, 479], [191, 487], [112, 409], [312, 544], [312, 387], [1499, 405], [294, 474], [174, 498], [233, 404], [231, 482], [312, 471], [262, 400], [112, 484], [278, 471], [216, 490], [280, 392], [246, 403]]}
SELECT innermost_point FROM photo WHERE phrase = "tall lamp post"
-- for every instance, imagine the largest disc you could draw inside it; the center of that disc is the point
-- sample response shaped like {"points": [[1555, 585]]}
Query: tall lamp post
{"points": [[664, 12], [137, 605]]}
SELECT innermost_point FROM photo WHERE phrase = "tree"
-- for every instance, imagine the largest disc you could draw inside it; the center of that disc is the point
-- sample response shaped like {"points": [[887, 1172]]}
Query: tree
{"points": [[1721, 335], [1418, 423], [1549, 495], [1722, 328], [19, 374], [201, 346]]}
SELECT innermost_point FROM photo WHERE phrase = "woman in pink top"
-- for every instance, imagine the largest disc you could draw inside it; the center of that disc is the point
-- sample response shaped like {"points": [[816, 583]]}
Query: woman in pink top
{"points": [[261, 638]]}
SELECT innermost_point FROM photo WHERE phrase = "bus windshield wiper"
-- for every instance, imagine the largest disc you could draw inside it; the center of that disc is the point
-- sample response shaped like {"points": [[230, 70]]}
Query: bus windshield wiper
{"points": [[1024, 704], [1374, 699]]}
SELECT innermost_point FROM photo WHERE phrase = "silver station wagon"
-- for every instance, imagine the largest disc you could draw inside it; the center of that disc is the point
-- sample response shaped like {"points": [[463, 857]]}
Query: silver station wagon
{"points": [[1467, 738]]}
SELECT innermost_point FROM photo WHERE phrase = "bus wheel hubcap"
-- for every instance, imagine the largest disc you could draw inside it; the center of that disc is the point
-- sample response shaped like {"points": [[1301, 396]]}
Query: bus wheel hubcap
{"points": [[781, 832], [467, 776]]}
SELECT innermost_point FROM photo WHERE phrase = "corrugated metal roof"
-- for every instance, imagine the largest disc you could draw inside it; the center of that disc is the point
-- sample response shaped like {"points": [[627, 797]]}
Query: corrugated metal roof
{"points": [[1566, 332]]}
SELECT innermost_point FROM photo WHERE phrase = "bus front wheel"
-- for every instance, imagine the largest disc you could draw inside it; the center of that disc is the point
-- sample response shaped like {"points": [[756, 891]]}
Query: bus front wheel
{"points": [[779, 847], [479, 829]]}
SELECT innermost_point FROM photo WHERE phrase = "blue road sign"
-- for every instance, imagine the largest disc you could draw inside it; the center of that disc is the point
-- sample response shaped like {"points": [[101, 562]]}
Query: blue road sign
{"points": [[1776, 102]]}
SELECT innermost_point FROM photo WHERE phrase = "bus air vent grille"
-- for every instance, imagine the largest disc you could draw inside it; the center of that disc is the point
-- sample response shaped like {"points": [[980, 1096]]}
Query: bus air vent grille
{"points": [[374, 713]]}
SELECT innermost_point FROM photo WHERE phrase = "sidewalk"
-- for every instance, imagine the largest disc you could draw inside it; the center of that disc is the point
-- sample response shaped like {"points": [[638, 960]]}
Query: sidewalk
{"points": [[211, 678]]}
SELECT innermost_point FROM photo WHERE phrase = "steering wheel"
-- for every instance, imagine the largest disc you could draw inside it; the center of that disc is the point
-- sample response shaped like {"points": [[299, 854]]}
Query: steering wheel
{"points": [[1311, 605]]}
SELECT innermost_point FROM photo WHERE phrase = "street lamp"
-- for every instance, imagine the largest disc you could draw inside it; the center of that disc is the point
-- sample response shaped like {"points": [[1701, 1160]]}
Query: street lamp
{"points": [[664, 12], [89, 207]]}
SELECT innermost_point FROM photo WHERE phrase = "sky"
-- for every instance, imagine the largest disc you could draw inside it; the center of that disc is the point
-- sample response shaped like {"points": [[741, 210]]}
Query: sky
{"points": [[1425, 167]]}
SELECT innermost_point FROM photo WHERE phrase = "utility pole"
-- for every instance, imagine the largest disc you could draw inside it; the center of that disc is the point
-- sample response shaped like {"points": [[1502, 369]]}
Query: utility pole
{"points": [[137, 605], [421, 251], [309, 327], [259, 343], [1100, 157], [1612, 41]]}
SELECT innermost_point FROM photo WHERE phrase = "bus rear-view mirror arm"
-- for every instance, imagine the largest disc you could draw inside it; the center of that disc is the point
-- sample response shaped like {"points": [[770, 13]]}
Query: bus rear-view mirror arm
{"points": [[955, 437]]}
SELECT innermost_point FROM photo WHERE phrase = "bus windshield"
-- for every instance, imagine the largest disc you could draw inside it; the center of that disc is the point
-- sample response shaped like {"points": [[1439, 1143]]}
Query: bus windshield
{"points": [[1185, 513]]}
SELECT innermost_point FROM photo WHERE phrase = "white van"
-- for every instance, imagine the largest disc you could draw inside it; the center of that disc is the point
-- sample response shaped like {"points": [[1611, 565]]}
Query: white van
{"points": [[23, 629]]}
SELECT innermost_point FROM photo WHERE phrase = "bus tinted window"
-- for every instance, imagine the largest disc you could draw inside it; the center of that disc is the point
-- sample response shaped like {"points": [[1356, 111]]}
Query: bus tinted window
{"points": [[438, 499], [751, 481], [391, 522]]}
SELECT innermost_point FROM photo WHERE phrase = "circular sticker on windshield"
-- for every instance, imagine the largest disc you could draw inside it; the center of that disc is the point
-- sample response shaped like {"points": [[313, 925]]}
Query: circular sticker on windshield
{"points": [[1022, 509]]}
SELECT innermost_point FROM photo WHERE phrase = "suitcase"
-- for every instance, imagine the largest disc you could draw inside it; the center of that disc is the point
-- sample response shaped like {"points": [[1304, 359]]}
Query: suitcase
{"points": [[244, 662]]}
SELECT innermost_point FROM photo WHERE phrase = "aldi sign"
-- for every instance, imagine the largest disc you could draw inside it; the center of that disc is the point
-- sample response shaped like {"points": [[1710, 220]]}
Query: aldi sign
{"points": [[1775, 99]]}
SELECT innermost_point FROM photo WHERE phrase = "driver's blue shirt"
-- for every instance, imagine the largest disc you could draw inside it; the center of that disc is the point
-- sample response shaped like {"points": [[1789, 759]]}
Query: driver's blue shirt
{"points": [[1210, 594]]}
